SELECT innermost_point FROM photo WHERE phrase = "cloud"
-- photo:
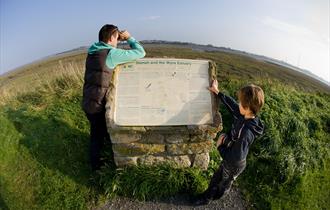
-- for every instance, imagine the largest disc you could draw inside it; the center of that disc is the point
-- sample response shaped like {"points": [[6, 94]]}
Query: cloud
{"points": [[150, 18], [301, 44], [296, 31]]}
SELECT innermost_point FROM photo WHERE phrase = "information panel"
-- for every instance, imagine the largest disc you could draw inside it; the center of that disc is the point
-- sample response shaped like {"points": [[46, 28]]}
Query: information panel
{"points": [[163, 92]]}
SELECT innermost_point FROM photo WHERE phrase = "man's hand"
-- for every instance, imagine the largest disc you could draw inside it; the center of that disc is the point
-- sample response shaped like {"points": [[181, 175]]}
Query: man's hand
{"points": [[214, 87], [220, 140], [124, 35]]}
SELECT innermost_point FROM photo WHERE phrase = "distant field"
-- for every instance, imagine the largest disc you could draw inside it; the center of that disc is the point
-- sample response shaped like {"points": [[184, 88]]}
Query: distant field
{"points": [[244, 67], [31, 76], [44, 137], [229, 65]]}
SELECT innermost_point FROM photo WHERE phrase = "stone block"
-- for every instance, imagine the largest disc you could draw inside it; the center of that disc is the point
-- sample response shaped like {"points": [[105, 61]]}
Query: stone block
{"points": [[135, 149], [125, 161], [179, 161], [177, 138], [201, 161], [168, 129], [151, 160], [190, 148], [124, 138], [152, 138]]}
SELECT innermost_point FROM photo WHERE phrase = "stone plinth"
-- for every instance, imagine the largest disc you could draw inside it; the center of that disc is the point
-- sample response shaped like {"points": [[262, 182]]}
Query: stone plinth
{"points": [[166, 133]]}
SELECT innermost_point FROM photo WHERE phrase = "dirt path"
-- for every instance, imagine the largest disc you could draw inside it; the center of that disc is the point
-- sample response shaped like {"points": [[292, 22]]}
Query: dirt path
{"points": [[234, 200]]}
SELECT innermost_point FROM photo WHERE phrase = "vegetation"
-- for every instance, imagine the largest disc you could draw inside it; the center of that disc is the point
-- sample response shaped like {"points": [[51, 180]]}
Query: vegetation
{"points": [[44, 140], [293, 151]]}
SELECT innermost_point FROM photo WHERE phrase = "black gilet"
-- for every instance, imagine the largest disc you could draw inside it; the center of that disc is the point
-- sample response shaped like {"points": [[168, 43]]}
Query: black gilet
{"points": [[96, 82]]}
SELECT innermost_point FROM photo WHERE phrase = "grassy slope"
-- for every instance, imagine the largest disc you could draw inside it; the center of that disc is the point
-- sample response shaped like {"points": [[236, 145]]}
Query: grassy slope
{"points": [[44, 138], [32, 76]]}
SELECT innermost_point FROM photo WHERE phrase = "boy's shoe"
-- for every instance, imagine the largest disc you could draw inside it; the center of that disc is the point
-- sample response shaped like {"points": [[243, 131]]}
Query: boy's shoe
{"points": [[200, 200], [217, 195]]}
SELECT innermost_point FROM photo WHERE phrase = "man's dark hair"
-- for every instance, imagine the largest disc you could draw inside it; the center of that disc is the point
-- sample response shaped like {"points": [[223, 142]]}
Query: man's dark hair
{"points": [[106, 32]]}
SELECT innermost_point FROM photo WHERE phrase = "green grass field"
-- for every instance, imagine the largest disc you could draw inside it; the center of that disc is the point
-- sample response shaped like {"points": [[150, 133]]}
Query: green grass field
{"points": [[44, 140]]}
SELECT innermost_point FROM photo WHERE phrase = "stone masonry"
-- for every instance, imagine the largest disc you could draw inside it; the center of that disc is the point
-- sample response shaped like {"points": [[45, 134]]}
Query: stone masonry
{"points": [[182, 146]]}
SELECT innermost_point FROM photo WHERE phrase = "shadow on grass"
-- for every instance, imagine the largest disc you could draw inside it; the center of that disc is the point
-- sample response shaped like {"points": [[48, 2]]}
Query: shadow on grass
{"points": [[54, 143], [3, 205]]}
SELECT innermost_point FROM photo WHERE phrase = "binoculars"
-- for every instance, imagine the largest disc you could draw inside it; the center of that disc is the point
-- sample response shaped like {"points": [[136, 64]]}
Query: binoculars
{"points": [[120, 36]]}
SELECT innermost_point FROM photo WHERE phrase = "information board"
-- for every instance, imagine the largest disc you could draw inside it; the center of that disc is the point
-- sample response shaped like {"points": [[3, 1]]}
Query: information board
{"points": [[163, 92]]}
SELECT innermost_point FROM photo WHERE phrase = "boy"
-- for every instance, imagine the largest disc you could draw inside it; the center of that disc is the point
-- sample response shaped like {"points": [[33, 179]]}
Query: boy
{"points": [[234, 146], [102, 59]]}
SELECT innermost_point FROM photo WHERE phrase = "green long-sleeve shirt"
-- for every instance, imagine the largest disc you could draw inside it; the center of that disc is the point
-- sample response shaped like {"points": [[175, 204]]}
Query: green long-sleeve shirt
{"points": [[118, 56]]}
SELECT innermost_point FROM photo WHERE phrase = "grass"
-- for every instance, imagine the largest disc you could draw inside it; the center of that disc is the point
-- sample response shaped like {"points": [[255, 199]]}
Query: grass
{"points": [[40, 75], [147, 182], [45, 154], [44, 140], [293, 151]]}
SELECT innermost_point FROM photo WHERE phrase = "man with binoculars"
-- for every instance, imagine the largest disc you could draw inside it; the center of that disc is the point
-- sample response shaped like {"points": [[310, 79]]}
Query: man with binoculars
{"points": [[102, 58]]}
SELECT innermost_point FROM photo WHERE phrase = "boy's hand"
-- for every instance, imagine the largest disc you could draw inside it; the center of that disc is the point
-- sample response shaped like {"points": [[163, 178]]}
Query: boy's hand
{"points": [[220, 140], [214, 87]]}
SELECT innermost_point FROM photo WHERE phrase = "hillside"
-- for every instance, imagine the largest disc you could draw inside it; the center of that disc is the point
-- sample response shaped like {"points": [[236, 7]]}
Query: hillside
{"points": [[211, 48], [44, 139], [253, 64]]}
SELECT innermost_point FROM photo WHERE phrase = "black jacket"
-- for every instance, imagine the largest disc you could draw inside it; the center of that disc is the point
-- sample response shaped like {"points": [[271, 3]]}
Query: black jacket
{"points": [[96, 82], [242, 134]]}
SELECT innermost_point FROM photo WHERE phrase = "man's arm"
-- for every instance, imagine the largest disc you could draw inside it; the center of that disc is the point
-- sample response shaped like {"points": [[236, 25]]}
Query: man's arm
{"points": [[119, 56]]}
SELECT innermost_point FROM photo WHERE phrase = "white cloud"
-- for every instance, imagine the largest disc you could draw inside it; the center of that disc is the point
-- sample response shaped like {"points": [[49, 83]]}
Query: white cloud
{"points": [[299, 32], [152, 17], [299, 45]]}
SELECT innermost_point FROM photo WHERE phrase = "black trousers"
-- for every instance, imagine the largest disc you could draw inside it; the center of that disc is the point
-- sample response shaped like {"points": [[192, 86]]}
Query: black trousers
{"points": [[222, 179], [98, 135]]}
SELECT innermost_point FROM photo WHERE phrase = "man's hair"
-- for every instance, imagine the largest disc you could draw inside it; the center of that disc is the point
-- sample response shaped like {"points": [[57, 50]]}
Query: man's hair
{"points": [[106, 32], [252, 97]]}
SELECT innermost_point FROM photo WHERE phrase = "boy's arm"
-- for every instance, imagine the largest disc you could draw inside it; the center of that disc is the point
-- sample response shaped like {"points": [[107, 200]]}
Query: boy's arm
{"points": [[236, 150], [119, 56], [230, 103]]}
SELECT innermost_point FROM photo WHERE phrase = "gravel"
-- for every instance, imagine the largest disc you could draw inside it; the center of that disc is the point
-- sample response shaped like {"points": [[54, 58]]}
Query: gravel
{"points": [[233, 200]]}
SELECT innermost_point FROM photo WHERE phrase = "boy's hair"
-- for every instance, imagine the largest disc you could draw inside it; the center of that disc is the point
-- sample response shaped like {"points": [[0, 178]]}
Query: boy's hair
{"points": [[106, 32], [252, 97]]}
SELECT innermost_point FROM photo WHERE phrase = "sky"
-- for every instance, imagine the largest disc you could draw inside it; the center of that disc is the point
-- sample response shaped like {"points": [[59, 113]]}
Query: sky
{"points": [[295, 31]]}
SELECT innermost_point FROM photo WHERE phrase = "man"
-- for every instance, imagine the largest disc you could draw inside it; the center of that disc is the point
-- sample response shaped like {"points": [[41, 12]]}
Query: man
{"points": [[101, 60]]}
